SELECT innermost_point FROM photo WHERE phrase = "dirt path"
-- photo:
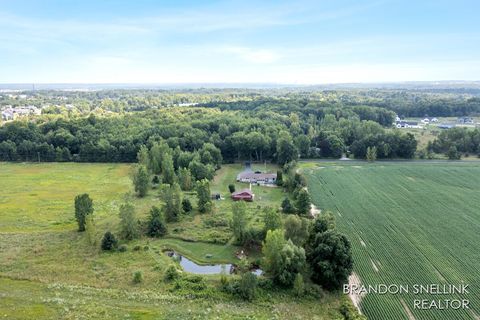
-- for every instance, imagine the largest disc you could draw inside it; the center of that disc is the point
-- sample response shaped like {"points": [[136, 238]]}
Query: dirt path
{"points": [[354, 279]]}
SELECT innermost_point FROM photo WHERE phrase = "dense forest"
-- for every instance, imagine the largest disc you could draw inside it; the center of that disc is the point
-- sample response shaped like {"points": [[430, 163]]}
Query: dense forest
{"points": [[276, 125], [272, 133]]}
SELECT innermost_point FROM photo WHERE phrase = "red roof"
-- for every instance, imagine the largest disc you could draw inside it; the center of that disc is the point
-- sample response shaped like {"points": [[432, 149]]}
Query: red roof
{"points": [[245, 194]]}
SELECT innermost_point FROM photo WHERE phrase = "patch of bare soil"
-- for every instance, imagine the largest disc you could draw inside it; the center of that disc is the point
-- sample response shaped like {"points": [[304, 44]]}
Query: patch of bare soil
{"points": [[374, 266], [407, 310], [354, 279], [475, 316], [362, 242], [314, 211]]}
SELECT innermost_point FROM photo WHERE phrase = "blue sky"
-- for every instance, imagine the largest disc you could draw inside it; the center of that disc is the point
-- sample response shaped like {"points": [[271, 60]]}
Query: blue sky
{"points": [[294, 42]]}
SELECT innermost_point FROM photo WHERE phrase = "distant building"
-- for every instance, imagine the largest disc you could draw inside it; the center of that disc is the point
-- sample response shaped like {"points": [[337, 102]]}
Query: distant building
{"points": [[7, 115], [407, 124], [18, 112], [245, 194], [257, 177], [465, 120]]}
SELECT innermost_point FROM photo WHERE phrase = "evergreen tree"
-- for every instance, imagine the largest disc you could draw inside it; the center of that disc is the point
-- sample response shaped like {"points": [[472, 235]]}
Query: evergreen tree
{"points": [[156, 223], [109, 242], [186, 205]]}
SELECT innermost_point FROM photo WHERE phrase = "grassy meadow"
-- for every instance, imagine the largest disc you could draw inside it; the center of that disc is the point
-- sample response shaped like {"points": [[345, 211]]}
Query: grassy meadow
{"points": [[409, 223], [48, 270]]}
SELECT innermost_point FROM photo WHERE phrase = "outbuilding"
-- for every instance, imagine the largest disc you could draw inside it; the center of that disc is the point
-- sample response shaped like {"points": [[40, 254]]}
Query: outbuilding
{"points": [[245, 194]]}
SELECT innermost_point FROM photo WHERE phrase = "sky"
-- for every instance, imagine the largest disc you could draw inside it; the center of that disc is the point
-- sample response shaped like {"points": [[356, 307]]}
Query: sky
{"points": [[284, 42]]}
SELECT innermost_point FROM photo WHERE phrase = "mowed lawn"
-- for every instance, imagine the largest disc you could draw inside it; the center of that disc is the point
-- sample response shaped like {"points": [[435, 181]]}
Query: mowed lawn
{"points": [[409, 223], [40, 197]]}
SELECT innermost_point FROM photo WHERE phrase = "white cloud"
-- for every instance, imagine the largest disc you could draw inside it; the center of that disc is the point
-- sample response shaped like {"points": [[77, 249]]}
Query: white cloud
{"points": [[252, 55]]}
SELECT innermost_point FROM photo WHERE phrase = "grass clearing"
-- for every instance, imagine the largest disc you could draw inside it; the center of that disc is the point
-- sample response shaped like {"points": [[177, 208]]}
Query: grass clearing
{"points": [[48, 270], [409, 223]]}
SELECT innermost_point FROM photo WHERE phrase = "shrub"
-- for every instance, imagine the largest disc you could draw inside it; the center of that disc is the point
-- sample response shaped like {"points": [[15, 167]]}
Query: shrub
{"points": [[298, 285], [231, 188], [171, 273], [109, 242], [137, 248], [247, 286], [253, 237], [186, 205], [137, 277], [315, 290], [350, 313], [266, 283], [122, 248], [216, 221], [287, 206]]}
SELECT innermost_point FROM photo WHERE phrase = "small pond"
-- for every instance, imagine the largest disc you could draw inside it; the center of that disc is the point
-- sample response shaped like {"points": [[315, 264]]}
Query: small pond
{"points": [[192, 267]]}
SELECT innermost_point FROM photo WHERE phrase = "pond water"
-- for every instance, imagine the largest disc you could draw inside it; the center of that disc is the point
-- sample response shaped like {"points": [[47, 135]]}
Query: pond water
{"points": [[192, 267]]}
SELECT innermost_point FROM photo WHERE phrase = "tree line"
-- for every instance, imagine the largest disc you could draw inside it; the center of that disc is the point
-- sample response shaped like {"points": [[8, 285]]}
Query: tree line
{"points": [[259, 135]]}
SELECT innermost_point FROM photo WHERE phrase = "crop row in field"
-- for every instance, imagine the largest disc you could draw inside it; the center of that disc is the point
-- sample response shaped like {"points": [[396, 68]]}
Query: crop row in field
{"points": [[408, 224]]}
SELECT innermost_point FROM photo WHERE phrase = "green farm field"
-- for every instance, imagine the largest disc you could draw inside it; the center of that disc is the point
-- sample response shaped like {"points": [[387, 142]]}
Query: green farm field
{"points": [[409, 223], [48, 270]]}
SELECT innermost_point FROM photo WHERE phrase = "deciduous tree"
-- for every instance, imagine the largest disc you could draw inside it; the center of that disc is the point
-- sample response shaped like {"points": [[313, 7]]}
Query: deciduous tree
{"points": [[128, 221], [83, 208], [141, 180], [205, 204], [239, 220]]}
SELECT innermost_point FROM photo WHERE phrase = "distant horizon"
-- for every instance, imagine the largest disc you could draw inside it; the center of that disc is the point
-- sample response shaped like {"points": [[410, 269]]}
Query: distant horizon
{"points": [[26, 86]]}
